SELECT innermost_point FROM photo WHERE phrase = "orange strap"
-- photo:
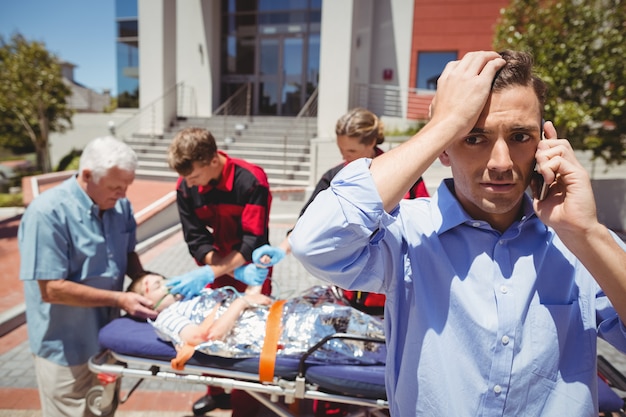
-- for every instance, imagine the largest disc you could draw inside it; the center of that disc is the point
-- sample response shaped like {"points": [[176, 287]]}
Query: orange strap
{"points": [[273, 330], [182, 356]]}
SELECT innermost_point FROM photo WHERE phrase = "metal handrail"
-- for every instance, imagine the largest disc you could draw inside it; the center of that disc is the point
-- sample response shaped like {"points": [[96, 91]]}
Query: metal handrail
{"points": [[129, 126], [310, 107], [392, 101], [231, 102], [308, 110]]}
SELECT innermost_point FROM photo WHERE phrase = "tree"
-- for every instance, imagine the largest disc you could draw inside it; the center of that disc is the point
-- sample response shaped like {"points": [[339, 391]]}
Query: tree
{"points": [[579, 48], [32, 97]]}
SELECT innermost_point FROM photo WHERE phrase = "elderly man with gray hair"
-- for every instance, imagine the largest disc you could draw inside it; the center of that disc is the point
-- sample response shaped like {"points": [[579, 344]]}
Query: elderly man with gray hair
{"points": [[77, 243]]}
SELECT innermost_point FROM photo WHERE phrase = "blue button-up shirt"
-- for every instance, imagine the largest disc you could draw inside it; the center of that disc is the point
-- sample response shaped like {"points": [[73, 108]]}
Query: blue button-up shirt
{"points": [[478, 322], [62, 236]]}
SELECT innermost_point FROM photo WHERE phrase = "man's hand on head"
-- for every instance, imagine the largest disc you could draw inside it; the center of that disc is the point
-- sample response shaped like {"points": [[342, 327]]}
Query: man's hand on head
{"points": [[463, 90]]}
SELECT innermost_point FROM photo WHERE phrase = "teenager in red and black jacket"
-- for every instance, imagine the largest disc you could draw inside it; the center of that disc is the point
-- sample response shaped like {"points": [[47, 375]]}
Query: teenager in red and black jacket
{"points": [[224, 206]]}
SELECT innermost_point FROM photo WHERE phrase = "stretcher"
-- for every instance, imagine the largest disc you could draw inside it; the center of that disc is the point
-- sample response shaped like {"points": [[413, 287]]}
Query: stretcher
{"points": [[131, 348]]}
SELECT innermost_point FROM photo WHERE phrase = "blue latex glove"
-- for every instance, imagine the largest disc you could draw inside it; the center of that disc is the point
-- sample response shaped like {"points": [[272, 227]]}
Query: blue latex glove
{"points": [[190, 284], [250, 274], [276, 254]]}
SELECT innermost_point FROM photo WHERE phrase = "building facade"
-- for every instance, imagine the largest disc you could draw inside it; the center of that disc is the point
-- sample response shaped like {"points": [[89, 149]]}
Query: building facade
{"points": [[385, 55]]}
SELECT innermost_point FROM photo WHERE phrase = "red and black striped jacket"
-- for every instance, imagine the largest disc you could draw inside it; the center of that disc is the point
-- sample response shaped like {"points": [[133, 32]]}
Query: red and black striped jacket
{"points": [[230, 215]]}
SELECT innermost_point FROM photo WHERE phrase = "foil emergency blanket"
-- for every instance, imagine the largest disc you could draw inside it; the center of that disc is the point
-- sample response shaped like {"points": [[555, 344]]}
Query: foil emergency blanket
{"points": [[306, 319]]}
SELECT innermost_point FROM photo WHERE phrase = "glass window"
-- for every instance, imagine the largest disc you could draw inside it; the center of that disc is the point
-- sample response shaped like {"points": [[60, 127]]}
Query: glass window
{"points": [[127, 29], [128, 74], [265, 5], [292, 57], [291, 102], [430, 65], [246, 48], [126, 8], [268, 56], [313, 63], [282, 18], [235, 6], [268, 100]]}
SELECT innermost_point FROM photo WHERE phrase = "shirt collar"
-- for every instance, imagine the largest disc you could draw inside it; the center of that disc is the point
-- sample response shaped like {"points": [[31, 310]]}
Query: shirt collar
{"points": [[446, 202], [226, 179], [84, 201]]}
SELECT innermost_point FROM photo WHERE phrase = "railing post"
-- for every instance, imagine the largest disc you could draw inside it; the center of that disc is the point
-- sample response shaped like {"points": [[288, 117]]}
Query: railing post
{"points": [[248, 101]]}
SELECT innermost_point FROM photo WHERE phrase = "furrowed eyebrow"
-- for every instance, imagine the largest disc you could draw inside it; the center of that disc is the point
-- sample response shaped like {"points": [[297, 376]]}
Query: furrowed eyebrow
{"points": [[478, 130], [525, 128]]}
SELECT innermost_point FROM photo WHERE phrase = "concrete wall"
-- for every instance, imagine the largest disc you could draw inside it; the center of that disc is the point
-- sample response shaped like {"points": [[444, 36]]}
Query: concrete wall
{"points": [[87, 126], [610, 195], [198, 55]]}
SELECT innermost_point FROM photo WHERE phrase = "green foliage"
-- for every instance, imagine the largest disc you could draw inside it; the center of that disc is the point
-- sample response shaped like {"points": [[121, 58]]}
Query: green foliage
{"points": [[70, 161], [32, 97], [11, 200], [408, 131], [579, 48], [128, 100], [112, 106]]}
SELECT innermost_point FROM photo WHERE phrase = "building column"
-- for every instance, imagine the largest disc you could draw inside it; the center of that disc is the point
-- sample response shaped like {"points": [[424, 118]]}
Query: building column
{"points": [[334, 82], [157, 65], [198, 46], [335, 57]]}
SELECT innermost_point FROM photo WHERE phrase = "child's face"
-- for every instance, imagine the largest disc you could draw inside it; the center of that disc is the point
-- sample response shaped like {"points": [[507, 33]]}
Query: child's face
{"points": [[155, 289]]}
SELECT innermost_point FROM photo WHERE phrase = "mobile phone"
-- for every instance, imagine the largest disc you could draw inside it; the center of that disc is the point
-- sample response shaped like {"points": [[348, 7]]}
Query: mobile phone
{"points": [[539, 181], [541, 186]]}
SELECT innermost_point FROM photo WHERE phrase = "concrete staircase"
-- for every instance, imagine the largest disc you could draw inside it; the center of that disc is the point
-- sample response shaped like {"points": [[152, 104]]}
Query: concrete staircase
{"points": [[280, 145]]}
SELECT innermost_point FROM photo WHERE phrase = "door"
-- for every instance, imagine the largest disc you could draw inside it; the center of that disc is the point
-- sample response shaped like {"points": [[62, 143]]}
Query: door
{"points": [[280, 79]]}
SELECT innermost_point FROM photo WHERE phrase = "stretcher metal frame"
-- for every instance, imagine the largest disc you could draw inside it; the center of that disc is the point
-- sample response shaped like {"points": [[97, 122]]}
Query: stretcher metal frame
{"points": [[111, 366]]}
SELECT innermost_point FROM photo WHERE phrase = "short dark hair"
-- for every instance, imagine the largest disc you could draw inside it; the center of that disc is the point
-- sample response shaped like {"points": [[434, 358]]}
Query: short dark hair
{"points": [[190, 145], [518, 70]]}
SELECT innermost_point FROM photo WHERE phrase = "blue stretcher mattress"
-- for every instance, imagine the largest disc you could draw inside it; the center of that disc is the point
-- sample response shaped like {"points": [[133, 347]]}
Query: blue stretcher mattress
{"points": [[137, 338]]}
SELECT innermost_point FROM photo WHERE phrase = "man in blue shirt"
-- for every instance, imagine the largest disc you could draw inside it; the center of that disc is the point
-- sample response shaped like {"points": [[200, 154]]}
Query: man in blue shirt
{"points": [[77, 243], [494, 298]]}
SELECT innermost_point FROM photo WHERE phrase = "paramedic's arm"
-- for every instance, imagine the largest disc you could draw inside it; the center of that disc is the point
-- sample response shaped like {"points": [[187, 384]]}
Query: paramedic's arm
{"points": [[462, 91], [254, 229], [61, 291], [198, 238], [570, 209], [200, 241]]}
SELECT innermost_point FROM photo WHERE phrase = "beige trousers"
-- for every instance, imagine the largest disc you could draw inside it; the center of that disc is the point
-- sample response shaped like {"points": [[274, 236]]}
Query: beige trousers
{"points": [[62, 389]]}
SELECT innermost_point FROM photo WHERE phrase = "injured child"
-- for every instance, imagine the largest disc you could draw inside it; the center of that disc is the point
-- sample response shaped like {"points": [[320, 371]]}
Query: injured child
{"points": [[223, 322]]}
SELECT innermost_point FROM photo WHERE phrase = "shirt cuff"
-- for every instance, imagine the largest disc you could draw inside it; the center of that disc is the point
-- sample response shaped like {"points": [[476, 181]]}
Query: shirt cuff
{"points": [[358, 196]]}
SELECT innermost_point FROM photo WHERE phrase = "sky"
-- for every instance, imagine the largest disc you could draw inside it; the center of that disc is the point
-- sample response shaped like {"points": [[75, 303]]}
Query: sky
{"points": [[78, 31]]}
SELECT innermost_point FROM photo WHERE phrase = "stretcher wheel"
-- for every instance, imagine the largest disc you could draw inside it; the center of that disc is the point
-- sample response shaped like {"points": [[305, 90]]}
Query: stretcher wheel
{"points": [[96, 404]]}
